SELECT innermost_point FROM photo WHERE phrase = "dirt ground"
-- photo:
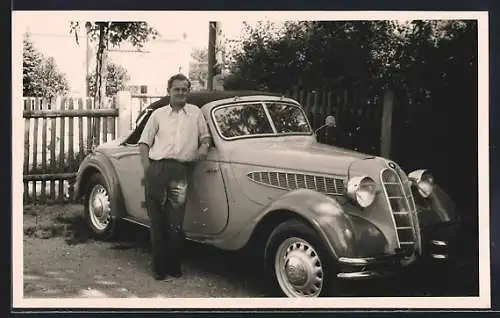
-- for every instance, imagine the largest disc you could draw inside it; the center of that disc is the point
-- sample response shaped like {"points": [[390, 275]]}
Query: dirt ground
{"points": [[60, 260]]}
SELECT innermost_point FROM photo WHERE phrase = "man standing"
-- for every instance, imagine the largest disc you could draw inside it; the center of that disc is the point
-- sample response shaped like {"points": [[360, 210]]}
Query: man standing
{"points": [[175, 137]]}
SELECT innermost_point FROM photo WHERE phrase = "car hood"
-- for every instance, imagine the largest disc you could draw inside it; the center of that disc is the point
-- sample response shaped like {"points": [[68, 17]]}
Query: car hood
{"points": [[301, 154]]}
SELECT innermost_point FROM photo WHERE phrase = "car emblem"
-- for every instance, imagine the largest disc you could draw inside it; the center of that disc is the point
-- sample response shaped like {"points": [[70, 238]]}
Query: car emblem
{"points": [[391, 164]]}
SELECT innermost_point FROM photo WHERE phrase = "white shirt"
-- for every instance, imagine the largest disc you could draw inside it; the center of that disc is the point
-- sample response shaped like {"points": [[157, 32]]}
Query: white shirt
{"points": [[174, 134]]}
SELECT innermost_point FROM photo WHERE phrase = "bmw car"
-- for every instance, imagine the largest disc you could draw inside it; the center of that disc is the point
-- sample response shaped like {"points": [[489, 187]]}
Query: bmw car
{"points": [[313, 214]]}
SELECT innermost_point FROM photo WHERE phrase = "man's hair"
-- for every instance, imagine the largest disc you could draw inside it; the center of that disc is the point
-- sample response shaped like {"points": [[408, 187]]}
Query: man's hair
{"points": [[178, 77]]}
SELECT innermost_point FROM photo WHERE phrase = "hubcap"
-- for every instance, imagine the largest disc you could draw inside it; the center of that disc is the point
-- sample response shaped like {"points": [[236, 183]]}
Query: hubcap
{"points": [[99, 207], [298, 268]]}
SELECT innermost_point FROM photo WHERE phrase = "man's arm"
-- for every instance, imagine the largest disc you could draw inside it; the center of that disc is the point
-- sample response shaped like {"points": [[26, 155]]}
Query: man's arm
{"points": [[204, 137], [144, 154], [147, 139]]}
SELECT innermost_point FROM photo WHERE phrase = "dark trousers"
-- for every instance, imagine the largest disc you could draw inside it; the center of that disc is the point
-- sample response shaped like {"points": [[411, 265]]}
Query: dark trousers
{"points": [[166, 183]]}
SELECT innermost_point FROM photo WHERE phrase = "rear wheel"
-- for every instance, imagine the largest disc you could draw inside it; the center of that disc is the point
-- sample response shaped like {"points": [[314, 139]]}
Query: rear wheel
{"points": [[98, 208], [298, 262]]}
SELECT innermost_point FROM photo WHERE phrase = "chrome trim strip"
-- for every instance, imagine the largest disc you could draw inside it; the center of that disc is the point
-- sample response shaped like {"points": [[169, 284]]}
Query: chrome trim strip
{"points": [[439, 256], [439, 243], [356, 261], [269, 118], [410, 206], [131, 220], [262, 101], [355, 275], [386, 195]]}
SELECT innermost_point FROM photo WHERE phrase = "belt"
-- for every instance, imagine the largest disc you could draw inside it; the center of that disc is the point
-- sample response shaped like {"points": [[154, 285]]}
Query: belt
{"points": [[170, 160]]}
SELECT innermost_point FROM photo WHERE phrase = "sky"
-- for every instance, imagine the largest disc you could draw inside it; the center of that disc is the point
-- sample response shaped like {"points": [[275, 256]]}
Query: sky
{"points": [[50, 34], [195, 29]]}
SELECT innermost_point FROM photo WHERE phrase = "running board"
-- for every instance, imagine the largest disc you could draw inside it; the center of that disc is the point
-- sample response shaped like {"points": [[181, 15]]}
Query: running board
{"points": [[199, 239], [136, 221]]}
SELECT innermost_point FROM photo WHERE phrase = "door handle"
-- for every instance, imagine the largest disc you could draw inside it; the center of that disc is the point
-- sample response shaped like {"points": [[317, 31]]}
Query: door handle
{"points": [[211, 170]]}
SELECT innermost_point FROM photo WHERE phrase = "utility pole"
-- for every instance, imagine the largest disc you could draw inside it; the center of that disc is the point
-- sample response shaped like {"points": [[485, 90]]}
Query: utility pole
{"points": [[87, 53], [212, 34]]}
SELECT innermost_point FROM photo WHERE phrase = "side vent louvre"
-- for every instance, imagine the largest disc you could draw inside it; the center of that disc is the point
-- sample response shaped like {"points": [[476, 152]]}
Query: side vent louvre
{"points": [[291, 181]]}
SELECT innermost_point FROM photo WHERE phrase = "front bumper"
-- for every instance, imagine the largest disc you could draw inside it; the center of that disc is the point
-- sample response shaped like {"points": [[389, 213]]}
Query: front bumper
{"points": [[439, 246], [374, 267]]}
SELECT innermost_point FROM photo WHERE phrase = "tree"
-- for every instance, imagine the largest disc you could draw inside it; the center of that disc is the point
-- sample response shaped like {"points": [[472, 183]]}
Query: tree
{"points": [[111, 33], [32, 60], [116, 80], [314, 54], [53, 82], [41, 77], [198, 70]]}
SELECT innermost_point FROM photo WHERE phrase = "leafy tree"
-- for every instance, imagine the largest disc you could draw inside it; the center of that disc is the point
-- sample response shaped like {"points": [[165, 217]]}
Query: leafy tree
{"points": [[41, 77], [313, 54], [116, 80], [53, 82], [32, 60], [199, 69], [112, 33]]}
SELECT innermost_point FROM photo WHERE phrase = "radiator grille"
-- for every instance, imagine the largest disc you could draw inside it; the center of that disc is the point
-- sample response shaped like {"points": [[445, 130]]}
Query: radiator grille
{"points": [[400, 200], [291, 181]]}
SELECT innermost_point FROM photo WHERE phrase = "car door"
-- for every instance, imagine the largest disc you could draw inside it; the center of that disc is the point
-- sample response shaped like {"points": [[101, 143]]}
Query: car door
{"points": [[130, 174], [207, 206]]}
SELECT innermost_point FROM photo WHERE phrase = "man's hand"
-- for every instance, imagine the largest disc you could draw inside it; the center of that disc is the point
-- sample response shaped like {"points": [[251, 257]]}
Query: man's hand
{"points": [[145, 165], [202, 151], [143, 151]]}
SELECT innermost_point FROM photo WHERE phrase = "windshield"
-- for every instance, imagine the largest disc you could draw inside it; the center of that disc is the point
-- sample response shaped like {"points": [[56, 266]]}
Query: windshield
{"points": [[260, 119]]}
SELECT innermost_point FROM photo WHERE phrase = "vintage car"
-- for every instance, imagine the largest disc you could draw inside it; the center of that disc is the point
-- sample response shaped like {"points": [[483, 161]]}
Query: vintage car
{"points": [[316, 214]]}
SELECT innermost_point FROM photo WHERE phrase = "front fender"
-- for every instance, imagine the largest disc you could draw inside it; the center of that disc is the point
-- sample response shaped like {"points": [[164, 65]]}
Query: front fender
{"points": [[440, 223], [324, 214], [98, 162], [438, 208]]}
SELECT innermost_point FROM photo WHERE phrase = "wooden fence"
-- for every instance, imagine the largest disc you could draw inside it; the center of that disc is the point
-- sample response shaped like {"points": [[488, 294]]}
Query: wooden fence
{"points": [[57, 138], [55, 142], [363, 122]]}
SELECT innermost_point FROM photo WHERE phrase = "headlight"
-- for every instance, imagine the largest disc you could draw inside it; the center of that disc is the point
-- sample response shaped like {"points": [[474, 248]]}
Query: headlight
{"points": [[362, 190], [424, 181]]}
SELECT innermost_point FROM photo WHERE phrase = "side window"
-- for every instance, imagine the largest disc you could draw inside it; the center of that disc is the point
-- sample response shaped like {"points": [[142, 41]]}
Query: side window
{"points": [[141, 123], [242, 120]]}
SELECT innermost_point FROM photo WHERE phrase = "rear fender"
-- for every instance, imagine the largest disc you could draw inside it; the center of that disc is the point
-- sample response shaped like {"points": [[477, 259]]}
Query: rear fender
{"points": [[98, 162]]}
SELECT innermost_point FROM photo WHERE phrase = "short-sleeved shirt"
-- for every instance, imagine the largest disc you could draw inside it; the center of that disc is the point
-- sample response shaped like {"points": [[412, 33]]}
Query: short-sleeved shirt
{"points": [[175, 134]]}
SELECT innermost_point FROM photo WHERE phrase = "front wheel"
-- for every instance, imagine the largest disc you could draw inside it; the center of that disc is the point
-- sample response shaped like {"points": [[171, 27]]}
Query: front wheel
{"points": [[298, 262], [98, 208]]}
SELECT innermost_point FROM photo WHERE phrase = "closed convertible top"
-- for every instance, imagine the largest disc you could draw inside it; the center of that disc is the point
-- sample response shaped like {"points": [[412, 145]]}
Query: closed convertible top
{"points": [[201, 98]]}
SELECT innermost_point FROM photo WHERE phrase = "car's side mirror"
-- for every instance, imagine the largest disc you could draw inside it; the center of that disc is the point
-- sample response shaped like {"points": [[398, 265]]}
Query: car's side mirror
{"points": [[329, 122]]}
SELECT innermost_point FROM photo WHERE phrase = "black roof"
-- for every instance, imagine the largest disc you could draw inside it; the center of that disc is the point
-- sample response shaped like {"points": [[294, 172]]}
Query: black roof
{"points": [[200, 98]]}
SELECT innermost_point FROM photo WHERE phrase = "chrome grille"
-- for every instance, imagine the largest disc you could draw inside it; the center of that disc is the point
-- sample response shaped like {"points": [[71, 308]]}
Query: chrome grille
{"points": [[400, 201], [291, 181]]}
